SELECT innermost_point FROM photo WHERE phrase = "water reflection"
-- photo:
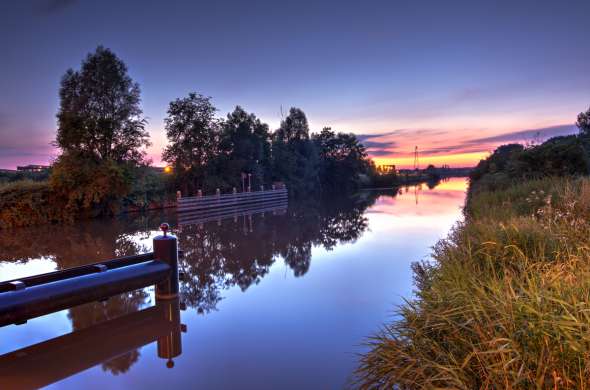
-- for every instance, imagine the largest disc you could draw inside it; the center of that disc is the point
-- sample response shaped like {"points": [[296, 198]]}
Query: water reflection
{"points": [[237, 251], [114, 342], [241, 251]]}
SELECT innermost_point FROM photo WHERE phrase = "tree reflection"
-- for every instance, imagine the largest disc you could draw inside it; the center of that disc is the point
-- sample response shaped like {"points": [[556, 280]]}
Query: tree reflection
{"points": [[241, 251], [218, 255]]}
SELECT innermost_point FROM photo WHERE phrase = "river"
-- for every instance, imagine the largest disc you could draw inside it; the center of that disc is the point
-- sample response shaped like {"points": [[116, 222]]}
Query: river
{"points": [[284, 299]]}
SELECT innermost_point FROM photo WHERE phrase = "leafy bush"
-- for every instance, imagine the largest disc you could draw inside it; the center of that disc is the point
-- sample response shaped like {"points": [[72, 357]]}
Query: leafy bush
{"points": [[28, 203], [509, 164], [90, 186]]}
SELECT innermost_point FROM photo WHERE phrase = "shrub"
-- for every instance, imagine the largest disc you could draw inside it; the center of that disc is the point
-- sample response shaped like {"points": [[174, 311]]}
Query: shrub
{"points": [[29, 203]]}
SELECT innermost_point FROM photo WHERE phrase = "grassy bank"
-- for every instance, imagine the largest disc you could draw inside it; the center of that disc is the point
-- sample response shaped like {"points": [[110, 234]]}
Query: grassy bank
{"points": [[504, 304]]}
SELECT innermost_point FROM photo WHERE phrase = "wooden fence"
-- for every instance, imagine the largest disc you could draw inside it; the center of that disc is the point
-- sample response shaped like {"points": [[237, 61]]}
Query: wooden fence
{"points": [[233, 200]]}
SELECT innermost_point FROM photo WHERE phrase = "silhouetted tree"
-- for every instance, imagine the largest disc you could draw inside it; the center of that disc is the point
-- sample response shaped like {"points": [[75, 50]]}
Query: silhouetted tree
{"points": [[193, 135], [294, 156], [244, 147], [583, 123], [294, 127], [99, 113], [342, 160]]}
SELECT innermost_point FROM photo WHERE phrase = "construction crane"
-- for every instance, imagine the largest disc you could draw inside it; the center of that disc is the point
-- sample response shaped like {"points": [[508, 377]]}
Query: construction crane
{"points": [[416, 162]]}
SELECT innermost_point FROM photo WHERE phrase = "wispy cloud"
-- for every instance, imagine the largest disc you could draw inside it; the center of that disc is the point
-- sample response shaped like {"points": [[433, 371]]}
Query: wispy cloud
{"points": [[433, 142]]}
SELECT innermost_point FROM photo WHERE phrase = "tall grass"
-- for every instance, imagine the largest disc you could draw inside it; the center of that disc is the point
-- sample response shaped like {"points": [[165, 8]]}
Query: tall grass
{"points": [[505, 304]]}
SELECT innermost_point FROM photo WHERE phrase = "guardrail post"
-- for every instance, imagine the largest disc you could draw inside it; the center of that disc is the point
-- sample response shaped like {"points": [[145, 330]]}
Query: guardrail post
{"points": [[166, 250], [170, 346]]}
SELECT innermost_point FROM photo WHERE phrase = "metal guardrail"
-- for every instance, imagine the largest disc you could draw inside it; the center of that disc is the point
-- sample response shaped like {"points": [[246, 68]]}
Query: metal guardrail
{"points": [[26, 298], [194, 203]]}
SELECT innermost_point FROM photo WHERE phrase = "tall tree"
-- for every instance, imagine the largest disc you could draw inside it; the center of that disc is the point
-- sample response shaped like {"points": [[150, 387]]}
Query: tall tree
{"points": [[245, 147], [294, 156], [294, 127], [100, 113], [193, 136], [342, 159], [583, 123]]}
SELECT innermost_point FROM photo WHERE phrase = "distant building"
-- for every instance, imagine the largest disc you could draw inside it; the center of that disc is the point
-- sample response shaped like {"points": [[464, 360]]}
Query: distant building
{"points": [[32, 168]]}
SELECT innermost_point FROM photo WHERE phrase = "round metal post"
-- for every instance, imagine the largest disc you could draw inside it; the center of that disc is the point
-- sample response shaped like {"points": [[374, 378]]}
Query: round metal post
{"points": [[166, 250]]}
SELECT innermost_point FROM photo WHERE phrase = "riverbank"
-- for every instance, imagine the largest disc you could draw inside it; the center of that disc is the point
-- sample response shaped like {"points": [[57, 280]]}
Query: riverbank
{"points": [[505, 304]]}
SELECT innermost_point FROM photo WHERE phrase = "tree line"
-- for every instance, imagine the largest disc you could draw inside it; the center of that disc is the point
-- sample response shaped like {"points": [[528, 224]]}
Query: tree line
{"points": [[102, 136]]}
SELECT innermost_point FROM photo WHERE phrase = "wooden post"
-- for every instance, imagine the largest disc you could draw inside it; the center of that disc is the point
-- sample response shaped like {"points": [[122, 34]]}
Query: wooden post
{"points": [[166, 250]]}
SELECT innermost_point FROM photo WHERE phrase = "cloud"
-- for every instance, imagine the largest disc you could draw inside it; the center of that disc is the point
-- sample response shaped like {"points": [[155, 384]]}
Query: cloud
{"points": [[380, 153], [380, 144], [528, 135], [442, 142]]}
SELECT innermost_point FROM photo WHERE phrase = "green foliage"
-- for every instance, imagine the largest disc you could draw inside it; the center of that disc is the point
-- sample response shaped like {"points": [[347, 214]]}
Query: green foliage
{"points": [[504, 305], [90, 186], [99, 112], [29, 203], [509, 164], [11, 177]]}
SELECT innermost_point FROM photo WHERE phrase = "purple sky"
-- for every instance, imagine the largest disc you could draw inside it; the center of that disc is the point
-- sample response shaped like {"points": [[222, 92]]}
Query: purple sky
{"points": [[454, 77]]}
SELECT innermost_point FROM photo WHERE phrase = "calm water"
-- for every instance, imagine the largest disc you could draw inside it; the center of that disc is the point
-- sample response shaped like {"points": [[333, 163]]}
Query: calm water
{"points": [[280, 300]]}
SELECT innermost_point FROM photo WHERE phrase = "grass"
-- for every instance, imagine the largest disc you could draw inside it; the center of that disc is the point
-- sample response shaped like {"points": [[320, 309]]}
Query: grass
{"points": [[506, 302]]}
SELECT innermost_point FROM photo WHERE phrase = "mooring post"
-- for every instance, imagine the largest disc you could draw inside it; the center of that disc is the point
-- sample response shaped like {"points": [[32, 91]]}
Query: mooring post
{"points": [[274, 187], [200, 193], [166, 250], [234, 191], [178, 194], [218, 192], [261, 187]]}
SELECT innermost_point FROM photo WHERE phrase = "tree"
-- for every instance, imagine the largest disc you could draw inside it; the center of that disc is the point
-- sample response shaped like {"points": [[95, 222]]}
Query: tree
{"points": [[100, 113], [294, 156], [294, 127], [342, 159], [583, 123], [193, 135], [244, 147]]}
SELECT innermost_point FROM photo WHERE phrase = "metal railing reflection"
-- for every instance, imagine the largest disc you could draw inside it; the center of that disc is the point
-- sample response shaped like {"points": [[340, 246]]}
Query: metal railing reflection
{"points": [[53, 360]]}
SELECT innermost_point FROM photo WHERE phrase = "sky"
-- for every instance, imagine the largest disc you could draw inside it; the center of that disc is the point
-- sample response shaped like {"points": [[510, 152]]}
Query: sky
{"points": [[455, 78]]}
